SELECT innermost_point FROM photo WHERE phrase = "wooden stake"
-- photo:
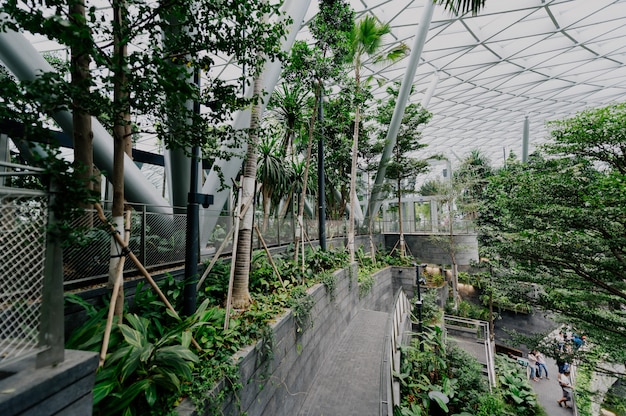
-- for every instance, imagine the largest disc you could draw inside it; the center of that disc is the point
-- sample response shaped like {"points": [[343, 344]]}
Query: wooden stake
{"points": [[269, 255], [142, 269], [222, 246], [231, 278], [119, 278]]}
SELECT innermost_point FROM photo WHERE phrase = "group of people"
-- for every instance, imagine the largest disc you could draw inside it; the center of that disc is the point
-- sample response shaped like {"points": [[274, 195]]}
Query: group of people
{"points": [[538, 368], [566, 345], [537, 364]]}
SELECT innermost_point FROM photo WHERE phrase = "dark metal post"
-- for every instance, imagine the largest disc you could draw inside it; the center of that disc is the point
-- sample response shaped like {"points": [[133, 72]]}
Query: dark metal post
{"points": [[419, 280], [192, 243], [52, 321], [321, 223], [192, 248]]}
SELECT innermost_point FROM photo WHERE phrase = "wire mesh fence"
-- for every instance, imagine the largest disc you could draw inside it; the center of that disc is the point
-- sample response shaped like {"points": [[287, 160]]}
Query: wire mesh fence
{"points": [[159, 240], [156, 239], [23, 219]]}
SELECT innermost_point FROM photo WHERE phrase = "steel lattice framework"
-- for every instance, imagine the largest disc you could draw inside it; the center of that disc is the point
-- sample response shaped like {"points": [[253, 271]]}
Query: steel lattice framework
{"points": [[482, 76]]}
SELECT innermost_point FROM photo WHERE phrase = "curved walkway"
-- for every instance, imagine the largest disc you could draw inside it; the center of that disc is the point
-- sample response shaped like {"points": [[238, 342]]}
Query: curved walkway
{"points": [[349, 380], [549, 391]]}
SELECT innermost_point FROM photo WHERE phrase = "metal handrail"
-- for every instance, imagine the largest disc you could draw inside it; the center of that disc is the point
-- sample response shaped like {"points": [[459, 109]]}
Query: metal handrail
{"points": [[400, 317], [484, 335]]}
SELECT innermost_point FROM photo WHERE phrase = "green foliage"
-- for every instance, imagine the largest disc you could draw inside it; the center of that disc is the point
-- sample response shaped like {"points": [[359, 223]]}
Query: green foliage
{"points": [[459, 7], [431, 312], [146, 364], [491, 405], [439, 371], [468, 309], [138, 372], [329, 280], [515, 387], [557, 222], [402, 166], [152, 342], [215, 285], [301, 304], [366, 283]]}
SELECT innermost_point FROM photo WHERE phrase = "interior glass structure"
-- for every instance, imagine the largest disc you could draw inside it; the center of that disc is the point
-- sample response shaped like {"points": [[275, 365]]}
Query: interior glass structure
{"points": [[482, 75]]}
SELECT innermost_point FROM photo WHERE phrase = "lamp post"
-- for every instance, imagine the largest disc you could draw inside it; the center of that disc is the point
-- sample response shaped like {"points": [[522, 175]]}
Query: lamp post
{"points": [[419, 279], [192, 242]]}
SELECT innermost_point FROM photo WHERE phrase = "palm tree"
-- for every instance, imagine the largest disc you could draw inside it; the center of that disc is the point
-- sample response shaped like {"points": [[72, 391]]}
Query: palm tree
{"points": [[365, 42], [287, 103], [462, 6], [272, 173], [241, 294]]}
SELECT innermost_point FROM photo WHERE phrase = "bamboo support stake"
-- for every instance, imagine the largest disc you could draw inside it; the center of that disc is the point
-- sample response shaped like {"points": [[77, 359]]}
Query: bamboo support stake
{"points": [[222, 247], [116, 289], [231, 277], [269, 255], [142, 270]]}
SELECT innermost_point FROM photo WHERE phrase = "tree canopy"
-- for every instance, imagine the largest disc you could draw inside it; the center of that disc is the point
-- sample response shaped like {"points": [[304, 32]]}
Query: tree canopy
{"points": [[560, 220]]}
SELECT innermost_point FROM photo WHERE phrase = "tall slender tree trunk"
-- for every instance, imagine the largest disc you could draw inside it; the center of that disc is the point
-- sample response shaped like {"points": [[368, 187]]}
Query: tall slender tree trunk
{"points": [[401, 228], [305, 179], [454, 271], [121, 142], [241, 294], [355, 155], [81, 118]]}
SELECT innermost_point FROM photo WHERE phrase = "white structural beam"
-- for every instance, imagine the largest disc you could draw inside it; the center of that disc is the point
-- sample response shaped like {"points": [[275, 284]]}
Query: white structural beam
{"points": [[21, 58], [398, 113], [228, 169]]}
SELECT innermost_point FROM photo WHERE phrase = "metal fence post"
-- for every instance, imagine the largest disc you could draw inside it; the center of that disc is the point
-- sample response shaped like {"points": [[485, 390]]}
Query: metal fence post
{"points": [[142, 240], [51, 333]]}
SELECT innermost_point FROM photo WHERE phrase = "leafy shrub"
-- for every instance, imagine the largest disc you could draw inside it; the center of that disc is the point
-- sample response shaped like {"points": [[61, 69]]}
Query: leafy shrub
{"points": [[431, 313], [515, 387], [301, 305]]}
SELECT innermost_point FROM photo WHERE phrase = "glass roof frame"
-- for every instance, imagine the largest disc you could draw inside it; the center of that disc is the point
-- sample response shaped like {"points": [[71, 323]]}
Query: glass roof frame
{"points": [[541, 59]]}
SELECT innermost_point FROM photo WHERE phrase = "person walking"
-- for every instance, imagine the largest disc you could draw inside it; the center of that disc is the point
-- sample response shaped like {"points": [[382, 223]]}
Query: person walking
{"points": [[541, 365], [566, 387], [532, 363]]}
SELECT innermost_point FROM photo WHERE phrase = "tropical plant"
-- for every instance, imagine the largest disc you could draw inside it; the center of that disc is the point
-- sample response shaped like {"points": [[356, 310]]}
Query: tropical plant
{"points": [[556, 223], [462, 6], [365, 42], [515, 386], [142, 368], [403, 166], [272, 173]]}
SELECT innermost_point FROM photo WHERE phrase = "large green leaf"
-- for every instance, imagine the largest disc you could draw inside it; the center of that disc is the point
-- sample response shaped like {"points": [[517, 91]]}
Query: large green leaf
{"points": [[151, 394], [146, 352], [130, 364], [132, 336], [128, 395], [103, 389]]}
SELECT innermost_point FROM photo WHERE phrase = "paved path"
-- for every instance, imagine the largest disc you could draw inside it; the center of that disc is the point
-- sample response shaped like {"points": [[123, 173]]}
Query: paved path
{"points": [[549, 391], [348, 383]]}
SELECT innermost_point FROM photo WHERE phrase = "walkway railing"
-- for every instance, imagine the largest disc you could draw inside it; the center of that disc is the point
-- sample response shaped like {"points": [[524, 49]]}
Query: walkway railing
{"points": [[31, 280], [398, 335], [483, 335]]}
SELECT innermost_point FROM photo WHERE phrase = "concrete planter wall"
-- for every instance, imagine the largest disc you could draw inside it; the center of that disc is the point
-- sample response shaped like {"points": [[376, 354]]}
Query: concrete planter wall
{"points": [[466, 246], [63, 389], [278, 386]]}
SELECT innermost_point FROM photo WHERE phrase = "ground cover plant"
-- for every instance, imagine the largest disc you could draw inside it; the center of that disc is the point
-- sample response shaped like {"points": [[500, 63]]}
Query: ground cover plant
{"points": [[437, 377], [152, 363]]}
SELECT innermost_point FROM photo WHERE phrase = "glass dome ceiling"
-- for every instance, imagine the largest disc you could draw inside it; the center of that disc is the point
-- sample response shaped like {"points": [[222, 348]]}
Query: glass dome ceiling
{"points": [[541, 59], [537, 58]]}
